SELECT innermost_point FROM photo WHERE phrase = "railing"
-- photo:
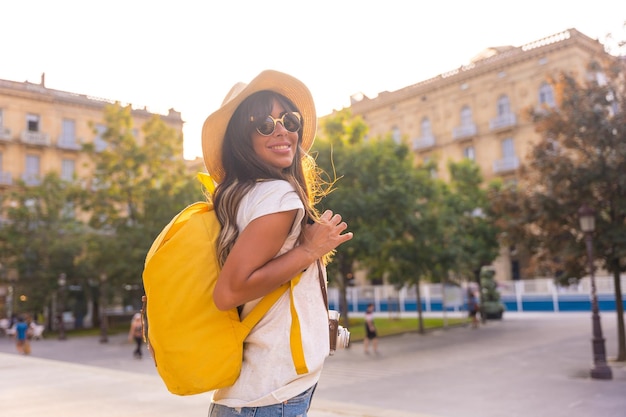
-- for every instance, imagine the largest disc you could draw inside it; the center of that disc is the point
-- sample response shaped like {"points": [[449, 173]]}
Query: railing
{"points": [[31, 180], [464, 131], [423, 142], [69, 144], [5, 178], [35, 138], [517, 296], [503, 121], [5, 133], [510, 163]]}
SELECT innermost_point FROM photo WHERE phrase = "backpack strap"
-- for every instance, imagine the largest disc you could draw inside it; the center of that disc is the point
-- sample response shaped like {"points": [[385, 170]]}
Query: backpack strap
{"points": [[295, 335]]}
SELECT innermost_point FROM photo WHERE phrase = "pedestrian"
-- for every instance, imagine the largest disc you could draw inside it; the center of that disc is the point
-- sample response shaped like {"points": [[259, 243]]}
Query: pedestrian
{"points": [[22, 334], [135, 334], [472, 307], [371, 336], [255, 147]]}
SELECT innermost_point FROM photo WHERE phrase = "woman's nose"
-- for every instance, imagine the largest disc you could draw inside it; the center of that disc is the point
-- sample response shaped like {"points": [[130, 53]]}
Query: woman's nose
{"points": [[280, 129]]}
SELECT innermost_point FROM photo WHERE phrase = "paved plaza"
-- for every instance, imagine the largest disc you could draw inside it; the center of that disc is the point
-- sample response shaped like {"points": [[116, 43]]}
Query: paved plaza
{"points": [[525, 365]]}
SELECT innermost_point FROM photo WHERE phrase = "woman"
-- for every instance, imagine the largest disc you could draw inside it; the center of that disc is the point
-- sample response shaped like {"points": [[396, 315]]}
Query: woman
{"points": [[255, 148], [135, 334], [371, 336]]}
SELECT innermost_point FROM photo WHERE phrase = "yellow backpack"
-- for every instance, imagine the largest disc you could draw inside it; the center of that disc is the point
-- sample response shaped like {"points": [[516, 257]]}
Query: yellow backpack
{"points": [[196, 347]]}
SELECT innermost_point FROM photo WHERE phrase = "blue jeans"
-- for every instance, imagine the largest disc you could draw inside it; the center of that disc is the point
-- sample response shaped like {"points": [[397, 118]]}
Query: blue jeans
{"points": [[294, 407]]}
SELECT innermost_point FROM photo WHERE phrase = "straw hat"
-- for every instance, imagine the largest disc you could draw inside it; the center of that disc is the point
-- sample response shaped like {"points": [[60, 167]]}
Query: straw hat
{"points": [[214, 127]]}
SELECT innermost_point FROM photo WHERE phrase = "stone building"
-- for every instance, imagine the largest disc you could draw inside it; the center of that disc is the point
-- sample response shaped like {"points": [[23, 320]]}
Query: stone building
{"points": [[42, 130], [480, 110]]}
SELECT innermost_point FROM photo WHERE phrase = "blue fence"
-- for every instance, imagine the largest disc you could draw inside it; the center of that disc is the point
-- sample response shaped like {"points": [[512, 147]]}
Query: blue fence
{"points": [[540, 295]]}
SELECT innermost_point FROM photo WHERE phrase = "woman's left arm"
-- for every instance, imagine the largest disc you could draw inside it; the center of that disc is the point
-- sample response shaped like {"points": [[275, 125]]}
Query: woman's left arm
{"points": [[252, 268]]}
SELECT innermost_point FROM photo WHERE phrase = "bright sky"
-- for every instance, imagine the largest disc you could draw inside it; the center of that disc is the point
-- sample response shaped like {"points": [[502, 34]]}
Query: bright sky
{"points": [[186, 54]]}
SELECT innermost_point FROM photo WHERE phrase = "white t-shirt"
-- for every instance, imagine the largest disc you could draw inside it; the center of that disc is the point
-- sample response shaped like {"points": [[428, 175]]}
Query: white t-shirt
{"points": [[268, 375]]}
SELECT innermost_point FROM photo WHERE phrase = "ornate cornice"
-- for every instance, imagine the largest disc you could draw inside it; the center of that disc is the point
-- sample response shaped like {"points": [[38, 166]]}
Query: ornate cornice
{"points": [[497, 62]]}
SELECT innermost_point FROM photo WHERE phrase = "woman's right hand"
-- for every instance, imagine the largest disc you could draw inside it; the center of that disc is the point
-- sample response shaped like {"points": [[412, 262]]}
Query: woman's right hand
{"points": [[325, 235]]}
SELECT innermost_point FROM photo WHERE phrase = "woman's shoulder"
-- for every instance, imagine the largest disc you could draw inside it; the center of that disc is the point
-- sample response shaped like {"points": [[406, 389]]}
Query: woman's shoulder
{"points": [[269, 197], [271, 189]]}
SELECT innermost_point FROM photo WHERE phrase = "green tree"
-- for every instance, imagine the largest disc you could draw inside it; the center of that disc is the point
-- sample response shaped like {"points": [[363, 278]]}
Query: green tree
{"points": [[137, 188], [580, 160], [41, 239], [375, 188], [470, 232], [415, 254], [451, 235]]}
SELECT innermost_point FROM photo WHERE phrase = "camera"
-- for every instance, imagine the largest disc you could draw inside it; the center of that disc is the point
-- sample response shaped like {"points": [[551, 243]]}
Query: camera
{"points": [[339, 335]]}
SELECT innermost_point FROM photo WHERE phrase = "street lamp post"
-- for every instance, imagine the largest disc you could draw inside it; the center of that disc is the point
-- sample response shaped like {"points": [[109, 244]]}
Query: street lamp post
{"points": [[62, 281], [600, 369]]}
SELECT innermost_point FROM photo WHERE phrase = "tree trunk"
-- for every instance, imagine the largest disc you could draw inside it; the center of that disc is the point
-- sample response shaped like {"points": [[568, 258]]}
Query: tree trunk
{"points": [[619, 309], [345, 268]]}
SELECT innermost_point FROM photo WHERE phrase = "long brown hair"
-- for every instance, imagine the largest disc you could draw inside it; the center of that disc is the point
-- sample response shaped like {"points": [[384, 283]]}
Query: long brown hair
{"points": [[244, 168]]}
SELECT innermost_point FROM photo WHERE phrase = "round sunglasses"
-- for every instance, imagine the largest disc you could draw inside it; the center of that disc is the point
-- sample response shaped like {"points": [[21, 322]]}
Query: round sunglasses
{"points": [[291, 121]]}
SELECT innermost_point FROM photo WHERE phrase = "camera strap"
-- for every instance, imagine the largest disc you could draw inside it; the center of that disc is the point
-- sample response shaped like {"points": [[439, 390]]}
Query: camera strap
{"points": [[322, 283]]}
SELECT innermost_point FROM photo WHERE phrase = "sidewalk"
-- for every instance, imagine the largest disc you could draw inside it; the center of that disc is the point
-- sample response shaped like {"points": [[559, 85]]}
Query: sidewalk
{"points": [[525, 365], [34, 387]]}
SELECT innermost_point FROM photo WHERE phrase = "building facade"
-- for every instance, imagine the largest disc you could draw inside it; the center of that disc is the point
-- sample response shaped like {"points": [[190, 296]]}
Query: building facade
{"points": [[480, 111], [43, 130]]}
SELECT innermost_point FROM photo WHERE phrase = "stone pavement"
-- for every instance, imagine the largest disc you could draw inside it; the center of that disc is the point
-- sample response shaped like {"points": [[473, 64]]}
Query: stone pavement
{"points": [[80, 376], [526, 365]]}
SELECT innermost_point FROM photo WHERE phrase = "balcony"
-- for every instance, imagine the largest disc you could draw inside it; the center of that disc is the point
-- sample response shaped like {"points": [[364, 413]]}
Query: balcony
{"points": [[503, 121], [35, 138], [5, 178], [31, 180], [5, 133], [507, 164], [423, 142], [465, 131], [70, 144]]}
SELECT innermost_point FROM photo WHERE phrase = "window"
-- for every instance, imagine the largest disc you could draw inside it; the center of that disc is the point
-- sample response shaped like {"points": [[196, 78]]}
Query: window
{"points": [[469, 153], [466, 116], [68, 133], [31, 176], [5, 177], [68, 167], [426, 128], [504, 105], [546, 95], [509, 161], [395, 134], [99, 143], [508, 150], [32, 122]]}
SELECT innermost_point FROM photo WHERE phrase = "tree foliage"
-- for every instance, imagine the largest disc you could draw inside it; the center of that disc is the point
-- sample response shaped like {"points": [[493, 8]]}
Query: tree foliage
{"points": [[581, 159], [101, 227], [41, 238], [374, 189], [137, 188], [407, 225]]}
